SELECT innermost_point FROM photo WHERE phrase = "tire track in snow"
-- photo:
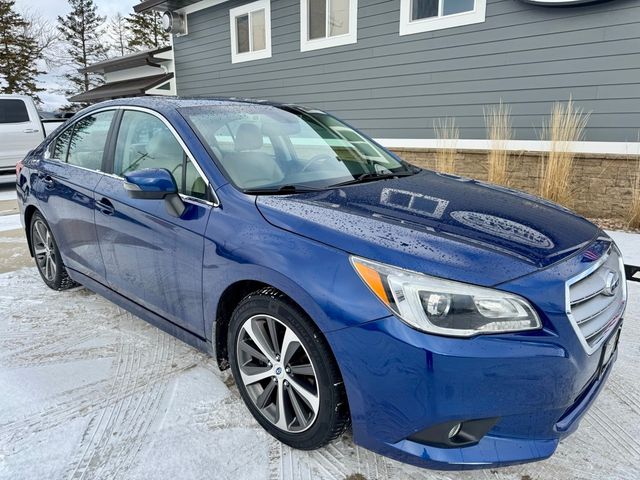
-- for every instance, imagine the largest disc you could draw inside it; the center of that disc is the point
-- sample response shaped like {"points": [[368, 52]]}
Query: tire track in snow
{"points": [[145, 418], [82, 401], [18, 432], [632, 400], [614, 433], [335, 461], [371, 465], [589, 454], [119, 378], [112, 451]]}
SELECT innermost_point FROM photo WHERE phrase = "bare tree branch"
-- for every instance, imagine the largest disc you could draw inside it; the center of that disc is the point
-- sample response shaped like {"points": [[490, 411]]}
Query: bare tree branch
{"points": [[47, 37]]}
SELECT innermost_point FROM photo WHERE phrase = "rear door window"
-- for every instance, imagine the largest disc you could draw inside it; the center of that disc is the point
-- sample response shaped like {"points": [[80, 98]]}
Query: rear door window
{"points": [[86, 147], [60, 145], [13, 110]]}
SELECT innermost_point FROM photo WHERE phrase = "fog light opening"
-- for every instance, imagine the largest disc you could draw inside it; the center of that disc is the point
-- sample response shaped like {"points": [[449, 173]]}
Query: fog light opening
{"points": [[455, 430], [455, 433]]}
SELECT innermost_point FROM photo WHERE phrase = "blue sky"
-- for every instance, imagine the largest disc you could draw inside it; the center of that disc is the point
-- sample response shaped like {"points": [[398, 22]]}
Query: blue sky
{"points": [[50, 9]]}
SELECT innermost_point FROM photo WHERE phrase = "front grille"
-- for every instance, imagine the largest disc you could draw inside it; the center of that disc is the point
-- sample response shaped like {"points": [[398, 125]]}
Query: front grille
{"points": [[592, 308]]}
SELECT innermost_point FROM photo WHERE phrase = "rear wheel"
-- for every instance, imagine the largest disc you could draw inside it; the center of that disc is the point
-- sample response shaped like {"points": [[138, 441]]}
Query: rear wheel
{"points": [[47, 256], [285, 371]]}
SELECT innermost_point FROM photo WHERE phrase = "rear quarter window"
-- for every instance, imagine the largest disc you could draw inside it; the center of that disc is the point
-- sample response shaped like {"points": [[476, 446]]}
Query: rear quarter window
{"points": [[13, 110]]}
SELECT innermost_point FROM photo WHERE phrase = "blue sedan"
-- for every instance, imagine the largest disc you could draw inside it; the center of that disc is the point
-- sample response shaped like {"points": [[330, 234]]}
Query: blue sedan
{"points": [[452, 323]]}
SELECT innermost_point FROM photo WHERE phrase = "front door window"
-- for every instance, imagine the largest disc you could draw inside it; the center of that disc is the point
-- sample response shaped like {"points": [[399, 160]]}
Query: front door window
{"points": [[144, 141]]}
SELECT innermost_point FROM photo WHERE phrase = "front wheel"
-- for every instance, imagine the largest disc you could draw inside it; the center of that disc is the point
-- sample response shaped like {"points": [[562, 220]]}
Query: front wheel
{"points": [[47, 256], [285, 371]]}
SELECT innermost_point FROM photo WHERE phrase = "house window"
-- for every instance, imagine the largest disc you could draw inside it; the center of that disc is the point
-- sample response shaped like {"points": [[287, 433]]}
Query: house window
{"points": [[250, 31], [327, 23], [425, 15]]}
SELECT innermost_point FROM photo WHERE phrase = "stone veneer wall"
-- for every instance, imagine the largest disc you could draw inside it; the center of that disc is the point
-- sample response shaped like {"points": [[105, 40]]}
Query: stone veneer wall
{"points": [[602, 183]]}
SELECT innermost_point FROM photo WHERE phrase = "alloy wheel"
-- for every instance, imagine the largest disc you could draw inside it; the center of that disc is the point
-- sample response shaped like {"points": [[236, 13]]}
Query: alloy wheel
{"points": [[278, 374], [44, 250]]}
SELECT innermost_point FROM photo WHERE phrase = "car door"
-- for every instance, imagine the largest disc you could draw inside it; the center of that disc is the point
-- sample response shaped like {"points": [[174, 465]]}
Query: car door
{"points": [[151, 256], [20, 130], [64, 187]]}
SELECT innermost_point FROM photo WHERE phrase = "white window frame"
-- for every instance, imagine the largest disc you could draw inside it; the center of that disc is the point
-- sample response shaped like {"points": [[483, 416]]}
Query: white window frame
{"points": [[408, 27], [246, 10], [327, 42]]}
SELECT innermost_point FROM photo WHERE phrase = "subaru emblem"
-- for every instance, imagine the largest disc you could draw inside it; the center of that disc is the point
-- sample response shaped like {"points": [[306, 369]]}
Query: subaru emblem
{"points": [[611, 283]]}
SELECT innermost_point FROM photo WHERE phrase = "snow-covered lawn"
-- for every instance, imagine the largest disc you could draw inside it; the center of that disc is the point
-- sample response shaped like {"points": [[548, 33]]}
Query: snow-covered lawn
{"points": [[89, 391]]}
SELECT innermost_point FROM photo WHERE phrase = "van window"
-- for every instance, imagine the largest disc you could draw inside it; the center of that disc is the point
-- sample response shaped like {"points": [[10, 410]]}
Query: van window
{"points": [[13, 110]]}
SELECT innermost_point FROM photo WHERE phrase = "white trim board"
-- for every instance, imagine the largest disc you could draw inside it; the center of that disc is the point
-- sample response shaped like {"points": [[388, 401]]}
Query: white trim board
{"points": [[615, 148], [196, 7]]}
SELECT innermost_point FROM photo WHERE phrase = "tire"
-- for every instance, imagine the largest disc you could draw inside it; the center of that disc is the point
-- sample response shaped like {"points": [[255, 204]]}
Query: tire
{"points": [[305, 381], [47, 256]]}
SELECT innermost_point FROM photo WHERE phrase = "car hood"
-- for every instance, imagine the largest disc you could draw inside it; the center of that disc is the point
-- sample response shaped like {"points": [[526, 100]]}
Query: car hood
{"points": [[437, 224]]}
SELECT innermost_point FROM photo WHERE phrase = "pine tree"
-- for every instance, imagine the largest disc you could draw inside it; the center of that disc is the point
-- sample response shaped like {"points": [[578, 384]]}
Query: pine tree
{"points": [[18, 53], [119, 34], [146, 31], [81, 31]]}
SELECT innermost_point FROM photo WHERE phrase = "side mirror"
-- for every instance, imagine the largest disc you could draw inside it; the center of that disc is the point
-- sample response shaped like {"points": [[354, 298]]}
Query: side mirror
{"points": [[155, 184], [150, 184]]}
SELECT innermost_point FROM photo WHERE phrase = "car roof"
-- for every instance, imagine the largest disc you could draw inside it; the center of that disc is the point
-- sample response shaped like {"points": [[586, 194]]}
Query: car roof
{"points": [[163, 103]]}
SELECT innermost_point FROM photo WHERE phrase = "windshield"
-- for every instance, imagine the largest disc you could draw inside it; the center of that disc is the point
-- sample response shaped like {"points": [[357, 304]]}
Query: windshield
{"points": [[262, 147]]}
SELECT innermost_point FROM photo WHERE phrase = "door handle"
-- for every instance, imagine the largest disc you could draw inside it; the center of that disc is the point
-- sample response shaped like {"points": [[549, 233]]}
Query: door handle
{"points": [[105, 206], [31, 130]]}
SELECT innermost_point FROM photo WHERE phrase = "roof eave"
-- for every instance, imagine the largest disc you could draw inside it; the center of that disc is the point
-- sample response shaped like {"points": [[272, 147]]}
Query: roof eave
{"points": [[126, 61], [119, 90], [161, 5]]}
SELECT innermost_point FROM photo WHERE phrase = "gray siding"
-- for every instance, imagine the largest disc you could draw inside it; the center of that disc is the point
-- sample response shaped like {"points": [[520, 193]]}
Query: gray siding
{"points": [[395, 87]]}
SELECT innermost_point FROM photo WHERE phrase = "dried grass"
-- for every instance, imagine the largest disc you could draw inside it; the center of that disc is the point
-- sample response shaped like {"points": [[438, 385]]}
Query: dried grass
{"points": [[447, 134], [498, 122], [633, 219], [566, 125]]}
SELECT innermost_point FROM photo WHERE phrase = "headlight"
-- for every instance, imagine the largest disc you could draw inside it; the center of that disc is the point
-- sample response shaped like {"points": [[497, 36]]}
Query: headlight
{"points": [[445, 307]]}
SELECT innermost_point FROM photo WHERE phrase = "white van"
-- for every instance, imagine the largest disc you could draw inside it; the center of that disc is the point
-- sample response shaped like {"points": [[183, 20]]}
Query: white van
{"points": [[20, 129]]}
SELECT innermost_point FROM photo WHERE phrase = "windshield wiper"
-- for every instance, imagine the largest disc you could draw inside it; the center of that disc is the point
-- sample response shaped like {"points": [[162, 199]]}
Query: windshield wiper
{"points": [[282, 190], [370, 177]]}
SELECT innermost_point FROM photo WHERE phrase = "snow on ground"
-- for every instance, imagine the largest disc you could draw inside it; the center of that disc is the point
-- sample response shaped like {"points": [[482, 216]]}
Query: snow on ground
{"points": [[10, 222], [8, 193], [629, 244], [89, 391]]}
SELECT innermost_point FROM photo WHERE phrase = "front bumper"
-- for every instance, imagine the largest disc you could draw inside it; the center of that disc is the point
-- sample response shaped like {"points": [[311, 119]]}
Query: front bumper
{"points": [[401, 381]]}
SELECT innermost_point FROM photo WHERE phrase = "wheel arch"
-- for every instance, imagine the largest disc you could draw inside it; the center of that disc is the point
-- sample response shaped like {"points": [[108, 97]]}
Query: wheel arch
{"points": [[228, 302], [233, 294], [29, 211]]}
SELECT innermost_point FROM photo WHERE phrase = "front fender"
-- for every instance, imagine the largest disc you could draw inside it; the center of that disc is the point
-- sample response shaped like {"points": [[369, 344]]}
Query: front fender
{"points": [[257, 273], [241, 245]]}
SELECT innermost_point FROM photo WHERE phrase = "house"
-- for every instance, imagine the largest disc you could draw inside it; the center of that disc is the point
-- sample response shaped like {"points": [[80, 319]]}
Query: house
{"points": [[149, 72], [393, 67]]}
